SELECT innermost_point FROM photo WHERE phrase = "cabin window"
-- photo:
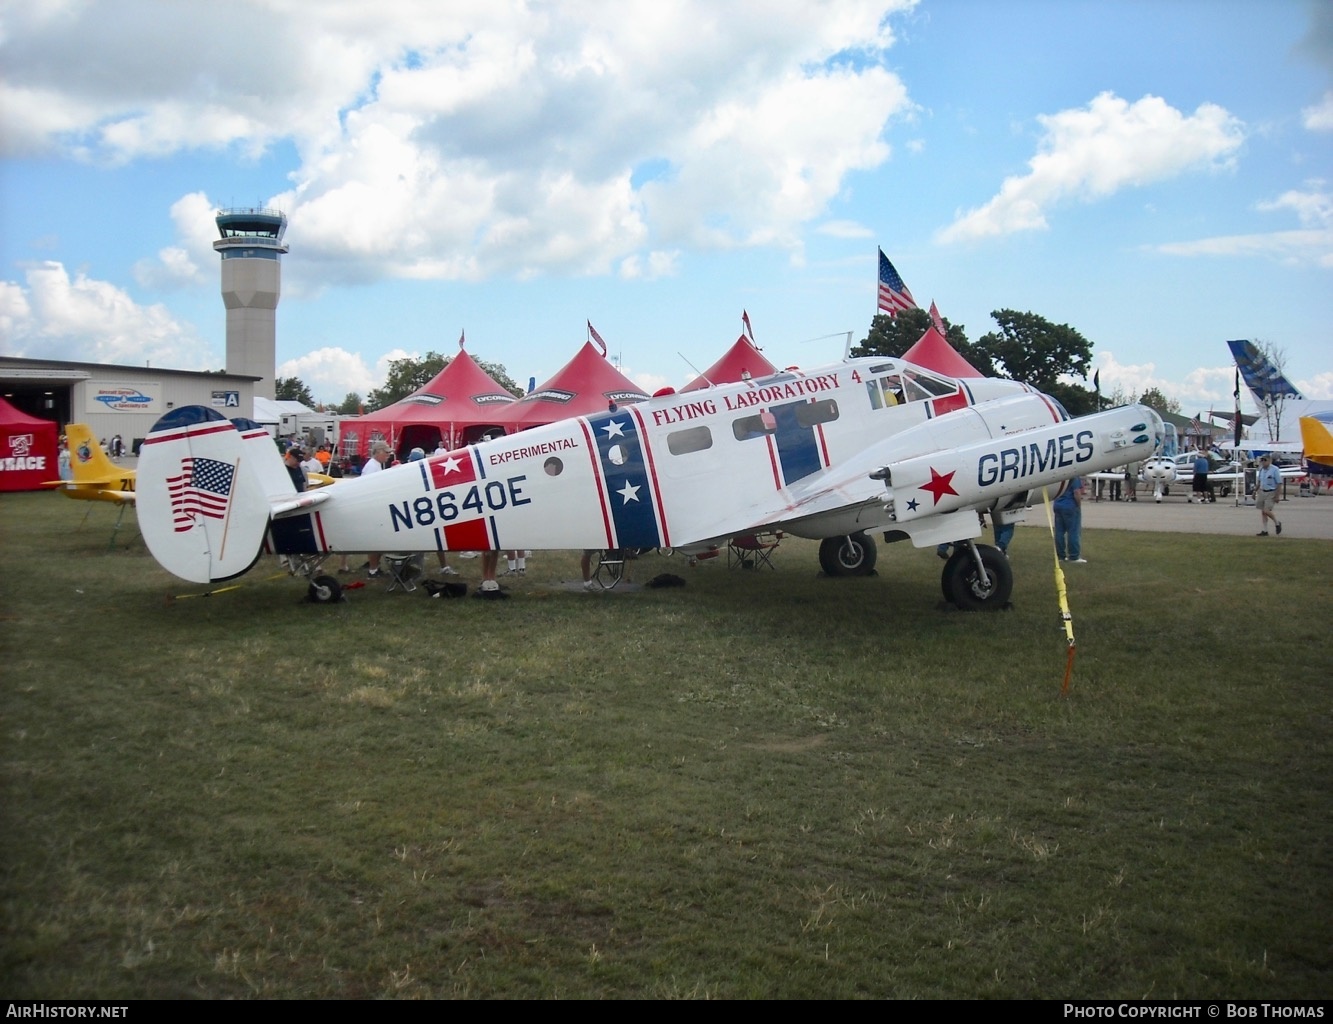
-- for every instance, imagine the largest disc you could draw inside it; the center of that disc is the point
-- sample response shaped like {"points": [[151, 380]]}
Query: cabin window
{"points": [[553, 466], [691, 439], [759, 425], [929, 384], [814, 413]]}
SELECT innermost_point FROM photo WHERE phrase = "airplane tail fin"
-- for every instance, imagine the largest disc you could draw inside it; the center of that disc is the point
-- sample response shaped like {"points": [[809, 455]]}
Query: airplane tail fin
{"points": [[1264, 380], [88, 462], [1317, 437], [202, 507]]}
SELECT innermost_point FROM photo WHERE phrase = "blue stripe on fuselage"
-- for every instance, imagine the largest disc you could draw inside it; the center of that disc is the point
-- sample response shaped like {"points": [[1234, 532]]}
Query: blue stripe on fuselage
{"points": [[798, 447], [629, 494]]}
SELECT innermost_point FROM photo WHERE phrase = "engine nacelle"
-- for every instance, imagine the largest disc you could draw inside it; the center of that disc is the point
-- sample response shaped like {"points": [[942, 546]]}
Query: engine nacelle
{"points": [[983, 473]]}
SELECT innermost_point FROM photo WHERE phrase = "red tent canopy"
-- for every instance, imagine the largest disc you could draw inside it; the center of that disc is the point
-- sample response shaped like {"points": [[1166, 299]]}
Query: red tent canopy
{"points": [[933, 352], [586, 384], [28, 450], [742, 357], [458, 405]]}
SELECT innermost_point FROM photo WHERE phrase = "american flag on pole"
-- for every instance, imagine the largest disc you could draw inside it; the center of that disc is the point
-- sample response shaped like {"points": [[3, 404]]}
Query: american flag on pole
{"points": [[1235, 422], [936, 319], [202, 488], [894, 296], [745, 319], [592, 333]]}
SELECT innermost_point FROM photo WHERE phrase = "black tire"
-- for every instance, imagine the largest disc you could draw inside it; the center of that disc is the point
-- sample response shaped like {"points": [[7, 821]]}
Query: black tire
{"points": [[324, 590], [853, 555], [950, 569], [972, 592]]}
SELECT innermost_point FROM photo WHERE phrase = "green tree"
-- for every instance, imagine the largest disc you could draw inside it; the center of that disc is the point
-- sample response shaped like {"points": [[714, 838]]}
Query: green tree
{"points": [[894, 335], [1030, 348], [408, 375], [350, 405], [293, 389], [1154, 399]]}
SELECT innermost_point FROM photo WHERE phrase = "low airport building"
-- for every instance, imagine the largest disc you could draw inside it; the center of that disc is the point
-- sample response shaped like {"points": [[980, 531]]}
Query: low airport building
{"points": [[124, 400]]}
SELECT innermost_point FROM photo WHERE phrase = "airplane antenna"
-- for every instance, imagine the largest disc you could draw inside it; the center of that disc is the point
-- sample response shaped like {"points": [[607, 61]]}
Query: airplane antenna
{"points": [[697, 371], [847, 344]]}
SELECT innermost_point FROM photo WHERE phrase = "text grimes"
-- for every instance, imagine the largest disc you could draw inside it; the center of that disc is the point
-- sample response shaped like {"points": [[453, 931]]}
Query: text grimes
{"points": [[1062, 452]]}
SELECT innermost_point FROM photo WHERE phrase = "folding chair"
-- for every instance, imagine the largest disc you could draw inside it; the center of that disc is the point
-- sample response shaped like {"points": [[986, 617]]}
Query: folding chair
{"points": [[610, 567], [752, 550], [404, 571]]}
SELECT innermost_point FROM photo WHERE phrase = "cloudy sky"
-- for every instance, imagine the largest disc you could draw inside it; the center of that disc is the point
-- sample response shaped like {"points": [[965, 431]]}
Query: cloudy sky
{"points": [[1158, 175]]}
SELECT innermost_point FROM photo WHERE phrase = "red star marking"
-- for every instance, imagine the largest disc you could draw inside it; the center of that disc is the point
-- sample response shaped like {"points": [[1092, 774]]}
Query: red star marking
{"points": [[939, 486]]}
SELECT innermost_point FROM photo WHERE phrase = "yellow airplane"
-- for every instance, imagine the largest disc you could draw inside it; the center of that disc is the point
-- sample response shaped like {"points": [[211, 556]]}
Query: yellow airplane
{"points": [[1317, 437], [96, 477]]}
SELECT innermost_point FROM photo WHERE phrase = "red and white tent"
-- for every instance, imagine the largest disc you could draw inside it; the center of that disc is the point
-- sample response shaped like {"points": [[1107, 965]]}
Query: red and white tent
{"points": [[29, 450], [587, 384], [459, 404], [742, 358], [934, 352]]}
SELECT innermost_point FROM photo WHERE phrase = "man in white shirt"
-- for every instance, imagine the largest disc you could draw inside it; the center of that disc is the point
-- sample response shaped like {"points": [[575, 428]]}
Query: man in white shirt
{"points": [[1265, 495], [379, 455]]}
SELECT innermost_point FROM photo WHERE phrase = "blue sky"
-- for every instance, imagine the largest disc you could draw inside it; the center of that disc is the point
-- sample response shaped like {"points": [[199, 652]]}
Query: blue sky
{"points": [[1157, 175]]}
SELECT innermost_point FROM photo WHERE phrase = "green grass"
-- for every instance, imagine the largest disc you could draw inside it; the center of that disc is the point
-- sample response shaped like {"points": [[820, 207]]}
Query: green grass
{"points": [[758, 785]]}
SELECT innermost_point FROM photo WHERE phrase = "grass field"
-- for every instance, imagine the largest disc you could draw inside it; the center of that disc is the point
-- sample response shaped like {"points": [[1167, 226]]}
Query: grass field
{"points": [[762, 784]]}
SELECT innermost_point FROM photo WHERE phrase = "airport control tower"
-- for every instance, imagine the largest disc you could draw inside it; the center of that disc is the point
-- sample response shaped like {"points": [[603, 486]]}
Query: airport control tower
{"points": [[251, 247]]}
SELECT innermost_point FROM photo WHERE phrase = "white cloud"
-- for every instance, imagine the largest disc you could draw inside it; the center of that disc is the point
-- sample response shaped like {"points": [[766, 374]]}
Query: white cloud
{"points": [[330, 373], [1199, 390], [1313, 206], [1320, 386], [1311, 244], [657, 264], [507, 138], [1319, 118], [93, 321], [1092, 152], [844, 229]]}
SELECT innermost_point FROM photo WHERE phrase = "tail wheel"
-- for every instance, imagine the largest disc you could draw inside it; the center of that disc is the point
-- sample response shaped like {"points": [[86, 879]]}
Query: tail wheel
{"points": [[324, 590], [971, 589], [853, 555]]}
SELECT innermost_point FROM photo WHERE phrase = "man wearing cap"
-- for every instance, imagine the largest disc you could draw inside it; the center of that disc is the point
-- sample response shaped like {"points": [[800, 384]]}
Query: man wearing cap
{"points": [[291, 458], [1265, 494]]}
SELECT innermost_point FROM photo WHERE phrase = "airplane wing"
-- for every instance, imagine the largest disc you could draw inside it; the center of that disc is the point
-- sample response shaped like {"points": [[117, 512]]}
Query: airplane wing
{"points": [[969, 458], [91, 492]]}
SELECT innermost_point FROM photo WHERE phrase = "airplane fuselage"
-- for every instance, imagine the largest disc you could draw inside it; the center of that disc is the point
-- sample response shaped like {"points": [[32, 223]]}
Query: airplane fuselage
{"points": [[677, 470]]}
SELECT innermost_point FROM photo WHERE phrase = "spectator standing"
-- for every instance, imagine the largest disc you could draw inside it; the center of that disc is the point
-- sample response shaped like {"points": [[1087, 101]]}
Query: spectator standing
{"points": [[1069, 523]]}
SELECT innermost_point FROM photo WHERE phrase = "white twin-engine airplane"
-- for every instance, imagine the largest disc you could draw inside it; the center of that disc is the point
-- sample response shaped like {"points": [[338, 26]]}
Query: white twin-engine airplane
{"points": [[832, 454]]}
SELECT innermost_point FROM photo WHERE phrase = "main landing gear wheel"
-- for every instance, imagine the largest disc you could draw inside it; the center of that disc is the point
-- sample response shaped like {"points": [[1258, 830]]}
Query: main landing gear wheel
{"points": [[853, 555], [966, 586], [324, 590]]}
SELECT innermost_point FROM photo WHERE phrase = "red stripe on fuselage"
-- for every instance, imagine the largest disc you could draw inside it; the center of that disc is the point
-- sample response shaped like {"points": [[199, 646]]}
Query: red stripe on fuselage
{"points": [[190, 431], [773, 461], [597, 479], [652, 474]]}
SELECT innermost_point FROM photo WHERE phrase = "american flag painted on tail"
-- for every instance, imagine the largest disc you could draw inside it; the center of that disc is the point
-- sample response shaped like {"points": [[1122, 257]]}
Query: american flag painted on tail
{"points": [[203, 487]]}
